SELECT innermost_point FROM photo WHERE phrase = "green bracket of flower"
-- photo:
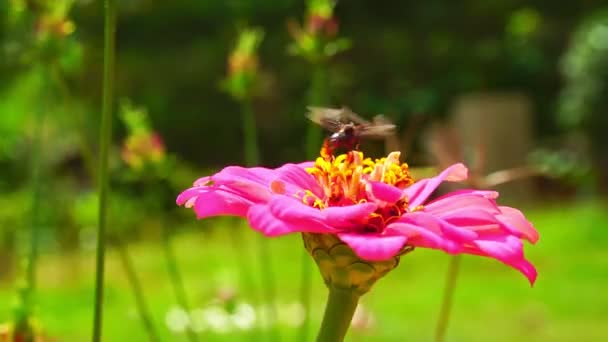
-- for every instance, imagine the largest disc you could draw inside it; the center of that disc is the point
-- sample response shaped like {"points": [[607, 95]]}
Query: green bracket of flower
{"points": [[242, 77], [317, 40], [143, 150], [42, 32]]}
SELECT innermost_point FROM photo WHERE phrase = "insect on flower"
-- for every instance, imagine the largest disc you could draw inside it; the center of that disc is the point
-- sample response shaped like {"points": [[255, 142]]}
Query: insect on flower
{"points": [[348, 128]]}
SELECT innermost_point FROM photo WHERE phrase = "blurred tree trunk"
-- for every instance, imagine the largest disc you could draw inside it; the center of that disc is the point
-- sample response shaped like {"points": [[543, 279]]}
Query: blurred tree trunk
{"points": [[496, 134]]}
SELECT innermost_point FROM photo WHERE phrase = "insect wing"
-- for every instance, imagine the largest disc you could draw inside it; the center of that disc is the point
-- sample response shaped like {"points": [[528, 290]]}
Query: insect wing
{"points": [[353, 117], [376, 131], [329, 118]]}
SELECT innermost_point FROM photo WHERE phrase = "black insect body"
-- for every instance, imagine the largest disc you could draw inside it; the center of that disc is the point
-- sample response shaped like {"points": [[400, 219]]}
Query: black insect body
{"points": [[348, 128]]}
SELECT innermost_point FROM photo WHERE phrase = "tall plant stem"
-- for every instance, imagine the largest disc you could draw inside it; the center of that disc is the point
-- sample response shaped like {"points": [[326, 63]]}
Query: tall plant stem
{"points": [[318, 96], [176, 278], [105, 137], [142, 308], [28, 288], [252, 154], [339, 311], [85, 149], [252, 157], [448, 294]]}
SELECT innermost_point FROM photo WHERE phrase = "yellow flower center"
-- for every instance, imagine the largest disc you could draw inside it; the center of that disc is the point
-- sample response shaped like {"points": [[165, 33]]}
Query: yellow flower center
{"points": [[345, 179]]}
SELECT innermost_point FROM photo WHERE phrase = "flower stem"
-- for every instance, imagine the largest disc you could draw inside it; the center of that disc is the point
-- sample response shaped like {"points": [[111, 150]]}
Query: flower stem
{"points": [[252, 157], [104, 145], [176, 279], [241, 250], [339, 311], [79, 117], [317, 97], [26, 291], [448, 294], [142, 307], [305, 292]]}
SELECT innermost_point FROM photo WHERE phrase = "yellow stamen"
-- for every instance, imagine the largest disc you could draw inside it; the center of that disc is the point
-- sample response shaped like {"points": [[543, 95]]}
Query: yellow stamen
{"points": [[344, 178]]}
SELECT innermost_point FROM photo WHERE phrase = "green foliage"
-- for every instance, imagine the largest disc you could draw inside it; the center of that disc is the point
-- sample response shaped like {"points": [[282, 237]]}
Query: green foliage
{"points": [[487, 288], [317, 41], [583, 102], [409, 60]]}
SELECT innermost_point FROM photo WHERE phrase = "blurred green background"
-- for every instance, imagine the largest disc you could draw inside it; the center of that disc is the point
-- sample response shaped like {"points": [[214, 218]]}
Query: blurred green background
{"points": [[524, 82]]}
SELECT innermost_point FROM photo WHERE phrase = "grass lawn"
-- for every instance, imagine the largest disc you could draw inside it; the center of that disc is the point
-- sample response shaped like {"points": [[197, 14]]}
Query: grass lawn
{"points": [[492, 303]]}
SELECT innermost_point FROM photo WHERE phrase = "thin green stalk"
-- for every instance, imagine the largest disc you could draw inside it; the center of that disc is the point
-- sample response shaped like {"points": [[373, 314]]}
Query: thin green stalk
{"points": [[105, 137], [28, 288], [305, 294], [448, 294], [142, 308], [339, 311], [241, 250], [36, 201], [318, 96], [85, 149], [268, 285], [268, 279], [176, 279], [252, 155]]}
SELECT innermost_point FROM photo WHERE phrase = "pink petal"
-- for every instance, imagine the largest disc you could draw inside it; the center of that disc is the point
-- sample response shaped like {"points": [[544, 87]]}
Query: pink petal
{"points": [[470, 218], [424, 230], [249, 190], [348, 216], [305, 165], [261, 219], [187, 195], [490, 194], [291, 209], [214, 203], [452, 203], [202, 181], [448, 230], [298, 179], [258, 175], [418, 192], [418, 236], [515, 218], [385, 192], [374, 247], [509, 250]]}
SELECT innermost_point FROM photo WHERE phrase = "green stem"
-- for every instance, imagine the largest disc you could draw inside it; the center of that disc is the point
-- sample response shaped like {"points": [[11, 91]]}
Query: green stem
{"points": [[85, 149], [448, 294], [339, 312], [268, 285], [252, 157], [241, 250], [104, 145], [142, 308], [26, 292], [305, 294], [176, 279], [317, 96]]}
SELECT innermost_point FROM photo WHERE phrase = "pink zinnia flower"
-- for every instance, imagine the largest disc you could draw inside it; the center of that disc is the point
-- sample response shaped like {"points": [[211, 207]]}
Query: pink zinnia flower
{"points": [[374, 206]]}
